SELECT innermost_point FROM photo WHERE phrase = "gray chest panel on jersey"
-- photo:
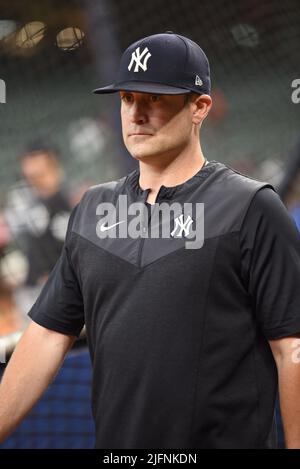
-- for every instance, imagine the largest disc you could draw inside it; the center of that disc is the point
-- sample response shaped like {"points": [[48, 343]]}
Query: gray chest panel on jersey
{"points": [[217, 206]]}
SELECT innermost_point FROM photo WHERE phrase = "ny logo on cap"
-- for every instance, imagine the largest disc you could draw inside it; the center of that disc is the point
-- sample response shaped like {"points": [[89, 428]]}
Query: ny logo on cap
{"points": [[136, 57]]}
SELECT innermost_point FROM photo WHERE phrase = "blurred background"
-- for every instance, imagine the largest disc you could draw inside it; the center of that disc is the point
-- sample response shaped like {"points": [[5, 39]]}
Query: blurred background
{"points": [[57, 139]]}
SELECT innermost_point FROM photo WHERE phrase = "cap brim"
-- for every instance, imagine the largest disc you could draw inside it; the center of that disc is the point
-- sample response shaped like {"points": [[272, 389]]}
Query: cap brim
{"points": [[142, 87]]}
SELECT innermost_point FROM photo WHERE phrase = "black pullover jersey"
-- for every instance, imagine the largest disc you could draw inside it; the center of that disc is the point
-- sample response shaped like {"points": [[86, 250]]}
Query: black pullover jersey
{"points": [[178, 336]]}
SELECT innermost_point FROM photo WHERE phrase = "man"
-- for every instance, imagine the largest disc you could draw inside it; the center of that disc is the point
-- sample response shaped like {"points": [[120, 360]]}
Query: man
{"points": [[184, 338], [38, 213]]}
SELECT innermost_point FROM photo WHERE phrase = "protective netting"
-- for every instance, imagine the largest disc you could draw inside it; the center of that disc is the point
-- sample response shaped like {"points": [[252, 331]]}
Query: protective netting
{"points": [[253, 48], [53, 53], [62, 418]]}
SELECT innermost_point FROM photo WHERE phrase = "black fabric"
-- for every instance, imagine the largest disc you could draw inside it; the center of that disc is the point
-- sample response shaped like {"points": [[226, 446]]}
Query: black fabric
{"points": [[179, 337], [271, 264], [60, 304], [43, 249]]}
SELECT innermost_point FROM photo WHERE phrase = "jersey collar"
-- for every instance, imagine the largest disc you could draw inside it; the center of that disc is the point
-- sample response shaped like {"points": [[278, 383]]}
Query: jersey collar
{"points": [[169, 192]]}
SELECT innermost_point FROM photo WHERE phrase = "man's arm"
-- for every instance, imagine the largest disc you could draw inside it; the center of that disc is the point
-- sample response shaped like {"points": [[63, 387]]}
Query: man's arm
{"points": [[32, 367], [286, 352]]}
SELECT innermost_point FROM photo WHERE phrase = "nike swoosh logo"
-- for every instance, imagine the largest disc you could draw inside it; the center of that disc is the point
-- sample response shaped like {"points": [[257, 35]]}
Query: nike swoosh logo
{"points": [[105, 228]]}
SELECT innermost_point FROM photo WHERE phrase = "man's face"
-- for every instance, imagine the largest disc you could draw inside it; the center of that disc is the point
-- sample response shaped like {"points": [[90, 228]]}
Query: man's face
{"points": [[42, 172], [155, 125]]}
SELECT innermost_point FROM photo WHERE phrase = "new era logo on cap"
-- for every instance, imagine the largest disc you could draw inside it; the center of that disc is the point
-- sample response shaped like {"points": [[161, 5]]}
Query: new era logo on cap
{"points": [[198, 81]]}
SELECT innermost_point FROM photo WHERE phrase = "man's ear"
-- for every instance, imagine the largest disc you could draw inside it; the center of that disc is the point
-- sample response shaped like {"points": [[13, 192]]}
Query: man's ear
{"points": [[201, 105]]}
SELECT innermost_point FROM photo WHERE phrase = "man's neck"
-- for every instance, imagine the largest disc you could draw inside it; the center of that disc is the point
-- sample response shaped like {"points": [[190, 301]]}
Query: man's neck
{"points": [[176, 172]]}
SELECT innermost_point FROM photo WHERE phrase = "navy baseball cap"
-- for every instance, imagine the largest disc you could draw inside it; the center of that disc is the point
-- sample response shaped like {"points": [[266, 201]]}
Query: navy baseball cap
{"points": [[164, 63]]}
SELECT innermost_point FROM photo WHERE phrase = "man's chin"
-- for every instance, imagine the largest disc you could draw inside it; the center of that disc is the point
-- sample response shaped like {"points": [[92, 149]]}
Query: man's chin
{"points": [[146, 151], [142, 154]]}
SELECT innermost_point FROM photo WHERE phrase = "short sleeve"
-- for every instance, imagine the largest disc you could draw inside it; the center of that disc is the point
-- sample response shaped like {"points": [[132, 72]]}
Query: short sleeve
{"points": [[270, 256], [60, 305]]}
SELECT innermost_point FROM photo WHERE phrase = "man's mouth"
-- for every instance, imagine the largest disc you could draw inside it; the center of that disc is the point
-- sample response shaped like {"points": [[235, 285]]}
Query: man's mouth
{"points": [[135, 134]]}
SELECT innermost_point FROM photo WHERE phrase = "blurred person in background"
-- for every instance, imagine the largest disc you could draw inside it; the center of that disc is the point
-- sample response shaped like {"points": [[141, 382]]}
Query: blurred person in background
{"points": [[38, 211], [10, 318]]}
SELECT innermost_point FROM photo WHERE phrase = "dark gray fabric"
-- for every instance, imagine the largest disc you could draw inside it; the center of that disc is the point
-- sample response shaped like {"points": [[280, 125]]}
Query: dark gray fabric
{"points": [[179, 337]]}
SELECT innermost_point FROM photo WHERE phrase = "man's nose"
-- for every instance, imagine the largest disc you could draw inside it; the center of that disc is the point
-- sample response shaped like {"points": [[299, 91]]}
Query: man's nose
{"points": [[138, 113]]}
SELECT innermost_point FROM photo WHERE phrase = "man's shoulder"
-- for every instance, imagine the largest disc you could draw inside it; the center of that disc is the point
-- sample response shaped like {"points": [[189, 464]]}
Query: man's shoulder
{"points": [[227, 191], [105, 192], [233, 190], [108, 187], [231, 179]]}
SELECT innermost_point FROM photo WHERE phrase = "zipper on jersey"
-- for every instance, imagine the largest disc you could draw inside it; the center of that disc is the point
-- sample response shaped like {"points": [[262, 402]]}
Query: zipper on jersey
{"points": [[146, 228]]}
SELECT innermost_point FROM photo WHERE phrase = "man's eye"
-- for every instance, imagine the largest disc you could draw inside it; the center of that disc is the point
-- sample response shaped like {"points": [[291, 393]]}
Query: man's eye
{"points": [[154, 98], [127, 98]]}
